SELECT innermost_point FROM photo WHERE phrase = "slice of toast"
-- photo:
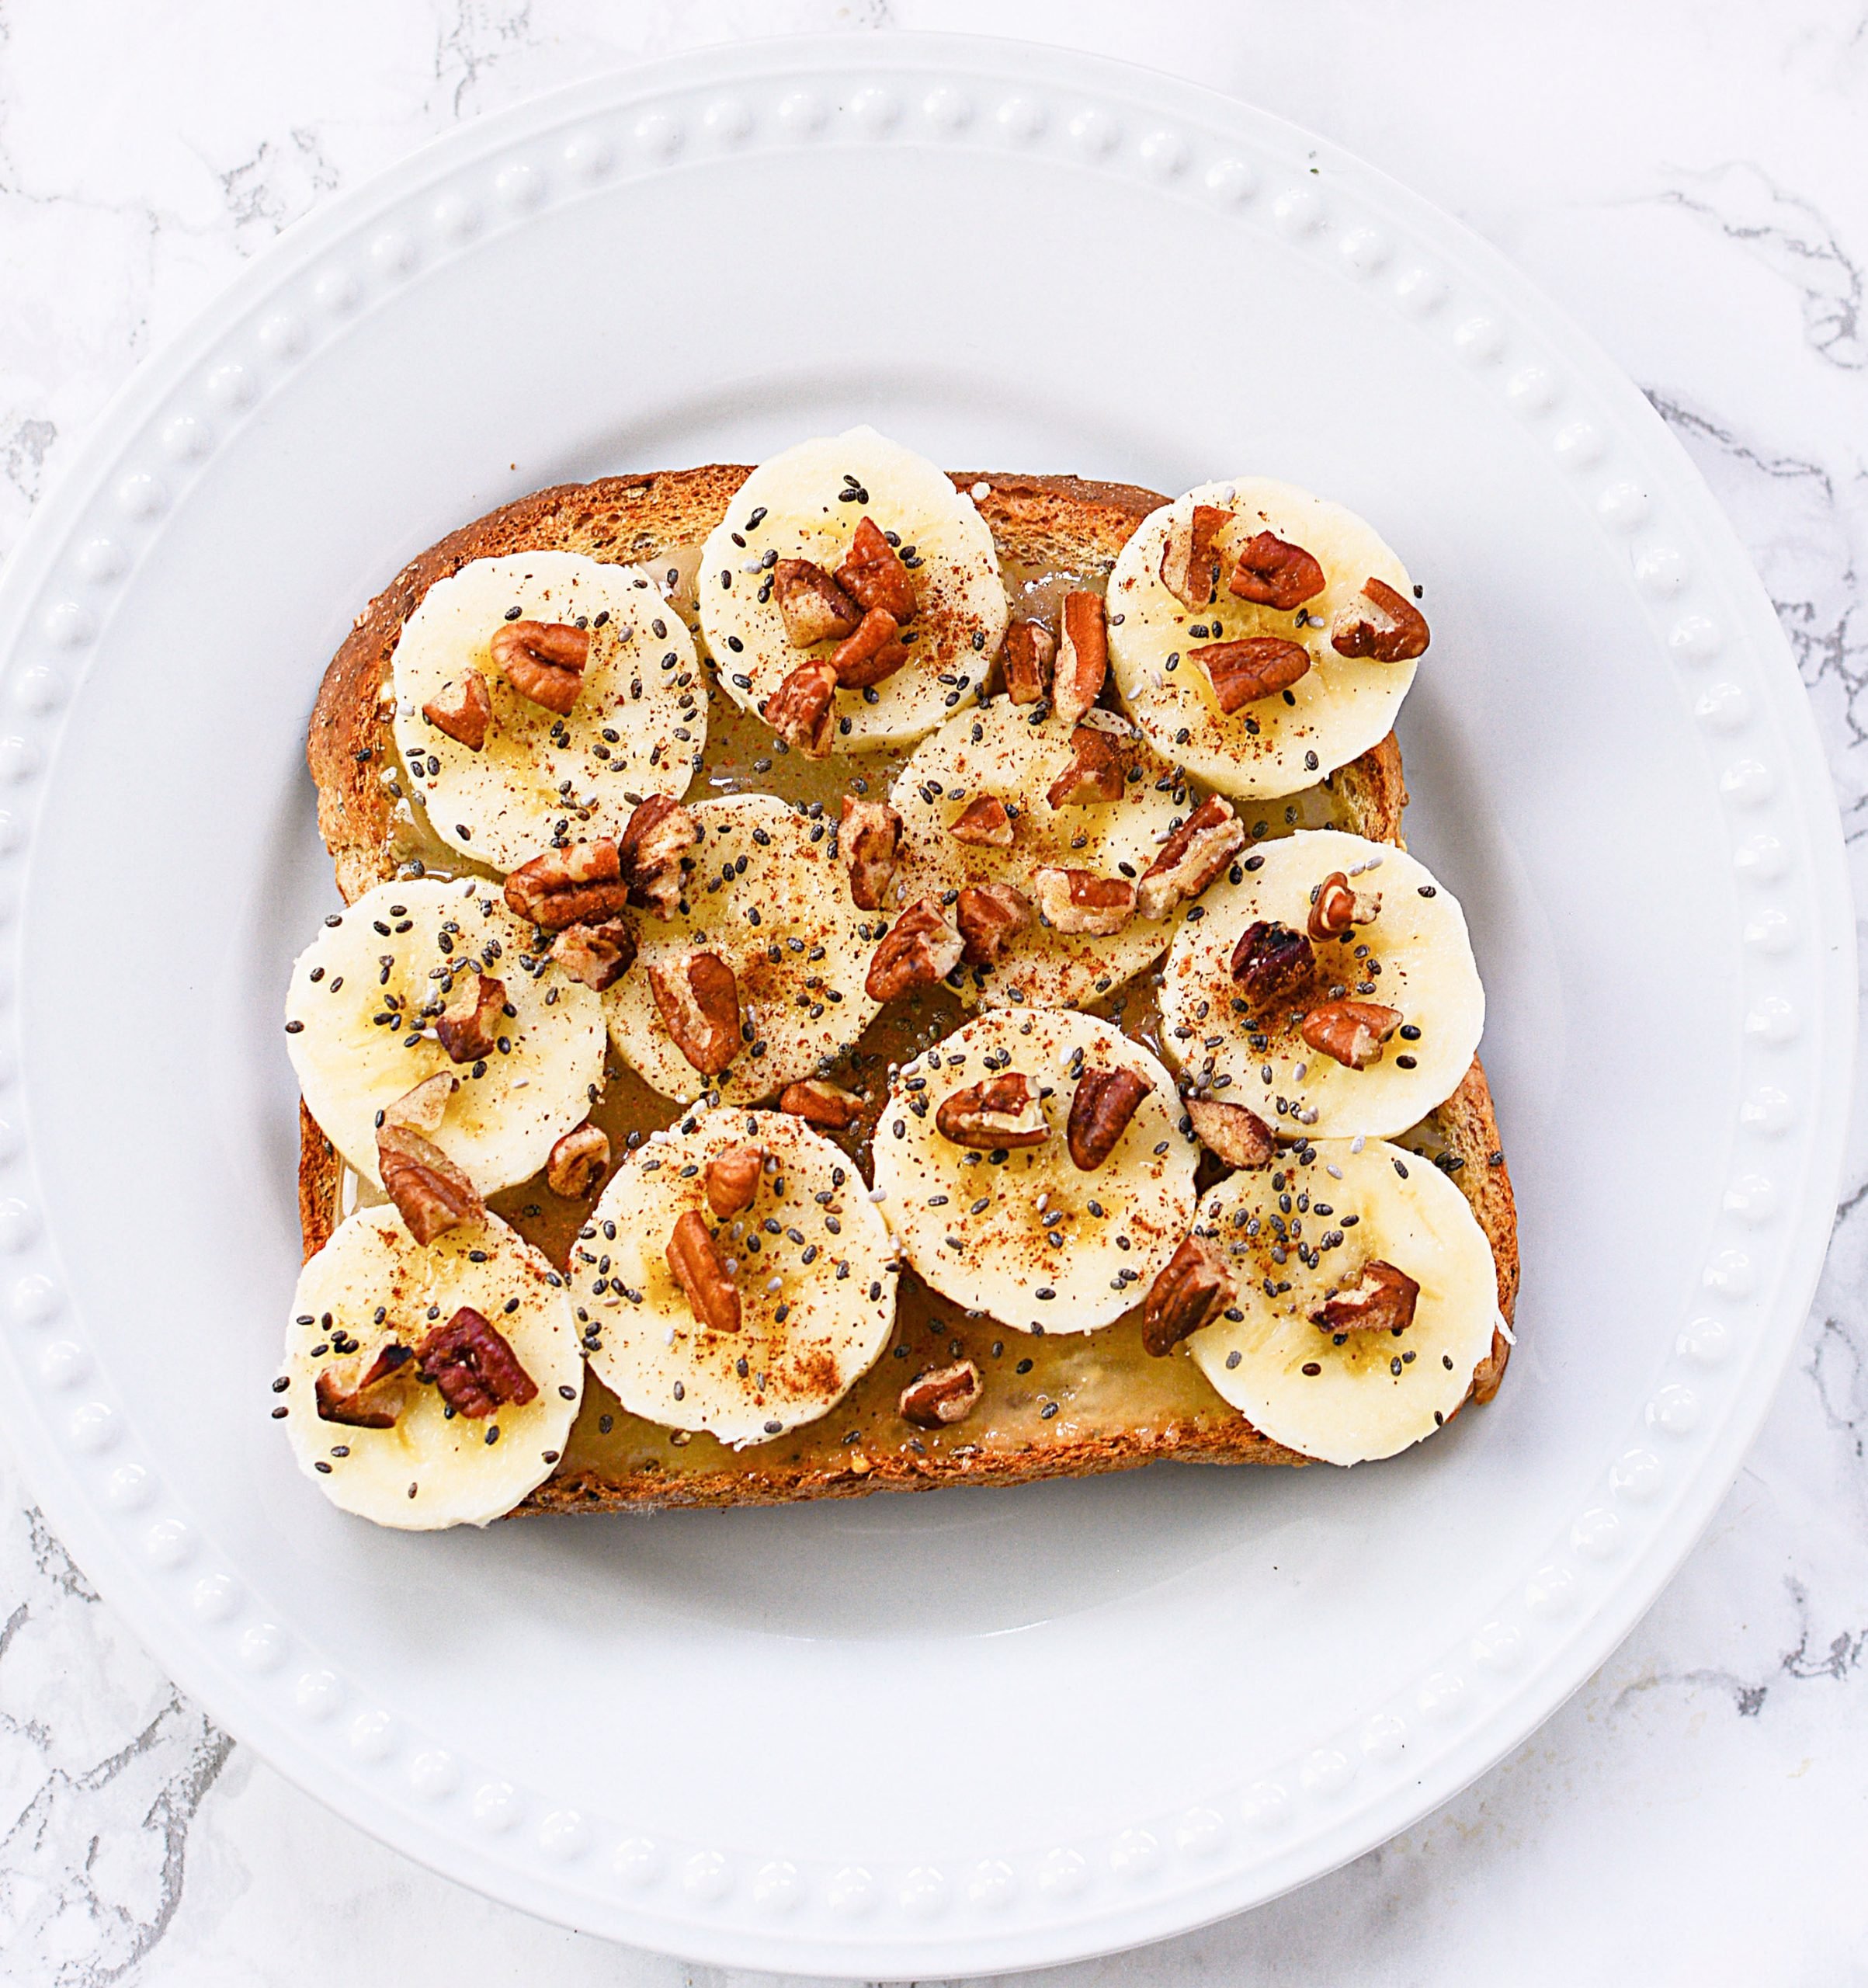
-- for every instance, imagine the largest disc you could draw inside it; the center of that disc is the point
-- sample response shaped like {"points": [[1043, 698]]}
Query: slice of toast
{"points": [[1062, 1405]]}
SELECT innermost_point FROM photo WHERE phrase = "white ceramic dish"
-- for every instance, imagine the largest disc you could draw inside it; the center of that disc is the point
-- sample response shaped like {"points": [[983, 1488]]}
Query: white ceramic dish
{"points": [[970, 1730]]}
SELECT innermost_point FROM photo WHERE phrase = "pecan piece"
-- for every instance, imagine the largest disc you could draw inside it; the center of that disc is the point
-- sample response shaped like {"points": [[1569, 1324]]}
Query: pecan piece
{"points": [[474, 1366], [1190, 559], [1083, 656], [802, 711], [1195, 854], [1100, 1109], [462, 710], [814, 608], [1029, 651], [873, 575], [1194, 1289], [869, 840], [695, 1261], [697, 996], [544, 661], [1351, 1031], [599, 955], [1241, 672], [1095, 774], [1001, 1111], [575, 1163], [985, 823], [733, 1179], [653, 853], [942, 1395], [1337, 910], [422, 1109], [920, 949], [819, 1102], [871, 655], [468, 1027], [432, 1194], [1275, 573], [1231, 1133], [990, 916], [579, 885], [363, 1407], [1382, 1299], [1272, 963], [1387, 626], [1079, 901]]}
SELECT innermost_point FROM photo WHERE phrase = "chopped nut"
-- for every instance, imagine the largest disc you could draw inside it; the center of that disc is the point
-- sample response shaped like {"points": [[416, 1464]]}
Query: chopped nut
{"points": [[697, 995], [1351, 1031], [1078, 901], [945, 1395], [1030, 649], [579, 885], [544, 661], [990, 916], [575, 1163], [814, 606], [1386, 625], [818, 1102], [985, 823], [1194, 1289], [462, 710], [369, 1405], [802, 711], [1272, 963], [1229, 1132], [871, 655], [1190, 859], [1338, 910], [474, 1366], [695, 1261], [1083, 656], [920, 949], [1189, 559], [1275, 573], [872, 573], [652, 852], [599, 955], [1100, 1109], [468, 1027], [1097, 769], [1241, 672], [422, 1109], [869, 840], [733, 1179], [1004, 1110], [1382, 1299], [431, 1192]]}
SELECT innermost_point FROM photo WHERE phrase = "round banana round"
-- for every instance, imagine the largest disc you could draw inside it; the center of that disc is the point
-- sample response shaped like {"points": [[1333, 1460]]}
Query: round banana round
{"points": [[398, 1409], [767, 897], [1019, 1231], [806, 1256], [361, 1016], [996, 753], [1295, 733], [637, 725], [1264, 1025], [1302, 1238], [807, 505]]}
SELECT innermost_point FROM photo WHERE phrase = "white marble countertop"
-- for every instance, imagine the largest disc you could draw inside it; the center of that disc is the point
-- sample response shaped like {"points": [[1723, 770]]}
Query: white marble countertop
{"points": [[1686, 178]]}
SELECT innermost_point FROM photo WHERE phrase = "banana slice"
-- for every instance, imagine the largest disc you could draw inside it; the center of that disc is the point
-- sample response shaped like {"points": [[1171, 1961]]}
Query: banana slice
{"points": [[1018, 1229], [1399, 990], [807, 1258], [768, 898], [638, 726], [994, 753], [807, 505], [1291, 737], [424, 1418], [1349, 1229], [360, 1023]]}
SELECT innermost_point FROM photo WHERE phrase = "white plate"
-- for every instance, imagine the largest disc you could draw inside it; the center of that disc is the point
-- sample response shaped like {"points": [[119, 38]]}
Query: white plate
{"points": [[969, 1731]]}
